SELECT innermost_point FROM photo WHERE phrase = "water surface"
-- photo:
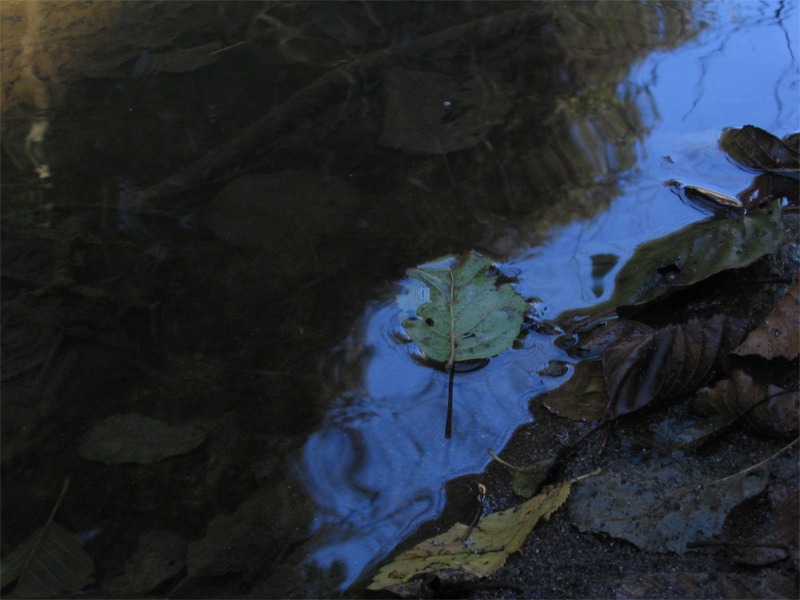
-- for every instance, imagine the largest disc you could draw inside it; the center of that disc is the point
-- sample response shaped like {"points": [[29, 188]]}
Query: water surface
{"points": [[261, 299]]}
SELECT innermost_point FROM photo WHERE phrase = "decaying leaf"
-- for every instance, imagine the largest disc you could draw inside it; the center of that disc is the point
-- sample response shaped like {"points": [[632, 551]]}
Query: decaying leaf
{"points": [[660, 365], [285, 214], [261, 529], [768, 528], [673, 435], [683, 584], [689, 255], [159, 556], [475, 552], [132, 438], [739, 395], [779, 335], [660, 506], [50, 563], [582, 397], [758, 150]]}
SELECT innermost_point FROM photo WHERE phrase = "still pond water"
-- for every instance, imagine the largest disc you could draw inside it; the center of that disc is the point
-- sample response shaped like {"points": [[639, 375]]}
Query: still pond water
{"points": [[257, 299]]}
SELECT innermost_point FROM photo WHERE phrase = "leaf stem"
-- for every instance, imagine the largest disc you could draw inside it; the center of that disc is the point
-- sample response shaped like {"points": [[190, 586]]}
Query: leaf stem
{"points": [[448, 428]]}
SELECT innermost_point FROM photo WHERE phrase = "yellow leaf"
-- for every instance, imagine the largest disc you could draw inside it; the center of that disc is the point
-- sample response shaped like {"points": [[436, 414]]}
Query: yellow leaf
{"points": [[475, 552]]}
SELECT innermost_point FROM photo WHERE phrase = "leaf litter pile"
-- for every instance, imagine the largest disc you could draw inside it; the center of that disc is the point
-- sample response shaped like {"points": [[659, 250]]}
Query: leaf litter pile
{"points": [[673, 444]]}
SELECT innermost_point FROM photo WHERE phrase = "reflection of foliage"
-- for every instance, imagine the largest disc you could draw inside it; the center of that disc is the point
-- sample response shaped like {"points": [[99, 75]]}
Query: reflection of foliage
{"points": [[92, 316]]}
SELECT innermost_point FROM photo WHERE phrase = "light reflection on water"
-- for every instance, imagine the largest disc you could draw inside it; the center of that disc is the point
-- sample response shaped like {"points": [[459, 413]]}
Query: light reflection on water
{"points": [[377, 465]]}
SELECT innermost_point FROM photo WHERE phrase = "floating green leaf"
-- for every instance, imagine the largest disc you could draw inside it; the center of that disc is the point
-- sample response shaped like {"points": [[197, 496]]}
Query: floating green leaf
{"points": [[132, 438], [475, 552], [660, 506], [689, 255], [470, 314]]}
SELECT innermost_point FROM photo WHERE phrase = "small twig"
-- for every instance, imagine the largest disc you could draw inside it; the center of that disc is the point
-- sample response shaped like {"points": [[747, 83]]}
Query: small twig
{"points": [[701, 486], [734, 544]]}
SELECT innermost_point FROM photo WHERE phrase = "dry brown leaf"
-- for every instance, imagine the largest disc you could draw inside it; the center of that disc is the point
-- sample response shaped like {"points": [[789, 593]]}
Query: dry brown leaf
{"points": [[779, 335]]}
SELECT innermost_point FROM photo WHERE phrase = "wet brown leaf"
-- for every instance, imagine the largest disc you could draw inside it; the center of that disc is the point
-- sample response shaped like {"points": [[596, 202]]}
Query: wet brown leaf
{"points": [[781, 413], [741, 395], [758, 150], [779, 335], [597, 340], [768, 527], [660, 365], [582, 397]]}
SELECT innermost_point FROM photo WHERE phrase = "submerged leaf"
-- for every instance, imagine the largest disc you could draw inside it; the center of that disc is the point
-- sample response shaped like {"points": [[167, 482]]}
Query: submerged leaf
{"points": [[132, 438], [159, 556], [475, 552], [468, 316], [51, 563], [660, 365], [689, 255], [660, 507]]}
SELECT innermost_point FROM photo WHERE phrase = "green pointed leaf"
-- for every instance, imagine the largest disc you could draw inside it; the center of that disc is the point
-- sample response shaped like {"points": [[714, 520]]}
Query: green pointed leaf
{"points": [[689, 255], [468, 316], [476, 552], [50, 563]]}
